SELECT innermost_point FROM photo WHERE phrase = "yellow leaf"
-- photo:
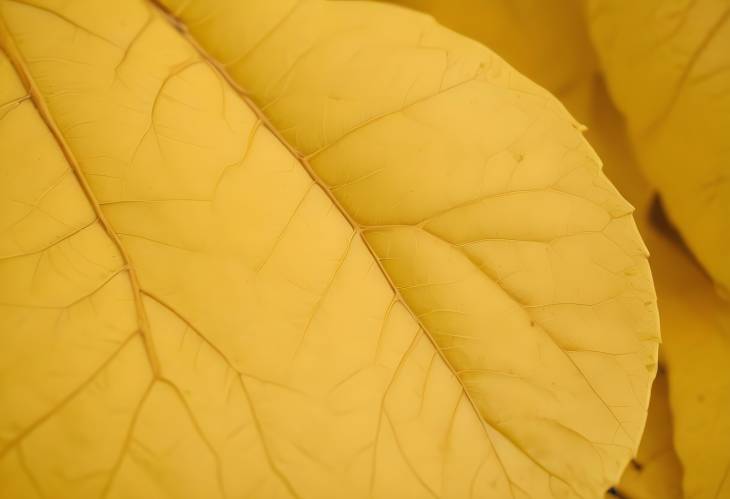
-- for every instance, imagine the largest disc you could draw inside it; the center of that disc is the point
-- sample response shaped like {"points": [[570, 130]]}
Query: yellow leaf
{"points": [[546, 41], [341, 252], [655, 472], [695, 332], [666, 64], [701, 428]]}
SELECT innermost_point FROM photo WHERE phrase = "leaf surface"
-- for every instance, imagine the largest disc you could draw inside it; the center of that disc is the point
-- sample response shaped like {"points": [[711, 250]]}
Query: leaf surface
{"points": [[655, 471], [546, 41], [697, 350], [667, 68], [698, 403], [340, 252], [695, 335]]}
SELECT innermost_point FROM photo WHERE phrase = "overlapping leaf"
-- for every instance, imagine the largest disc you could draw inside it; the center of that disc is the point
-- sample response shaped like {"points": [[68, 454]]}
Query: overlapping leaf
{"points": [[667, 69]]}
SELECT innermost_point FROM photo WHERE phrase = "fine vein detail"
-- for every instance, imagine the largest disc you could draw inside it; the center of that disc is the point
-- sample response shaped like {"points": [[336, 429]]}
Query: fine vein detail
{"points": [[39, 102]]}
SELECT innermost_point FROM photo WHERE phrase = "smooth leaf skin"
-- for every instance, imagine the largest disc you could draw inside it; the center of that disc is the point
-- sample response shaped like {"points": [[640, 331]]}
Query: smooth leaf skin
{"points": [[559, 41], [655, 472], [695, 330], [700, 430], [667, 69], [546, 41], [455, 303], [331, 128], [697, 350]]}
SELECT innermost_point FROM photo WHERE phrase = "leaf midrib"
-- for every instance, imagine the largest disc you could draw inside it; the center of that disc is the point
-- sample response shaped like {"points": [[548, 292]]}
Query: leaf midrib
{"points": [[359, 232], [39, 102]]}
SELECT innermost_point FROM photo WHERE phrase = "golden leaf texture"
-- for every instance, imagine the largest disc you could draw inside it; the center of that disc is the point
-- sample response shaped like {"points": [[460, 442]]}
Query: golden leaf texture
{"points": [[304, 249], [666, 64]]}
